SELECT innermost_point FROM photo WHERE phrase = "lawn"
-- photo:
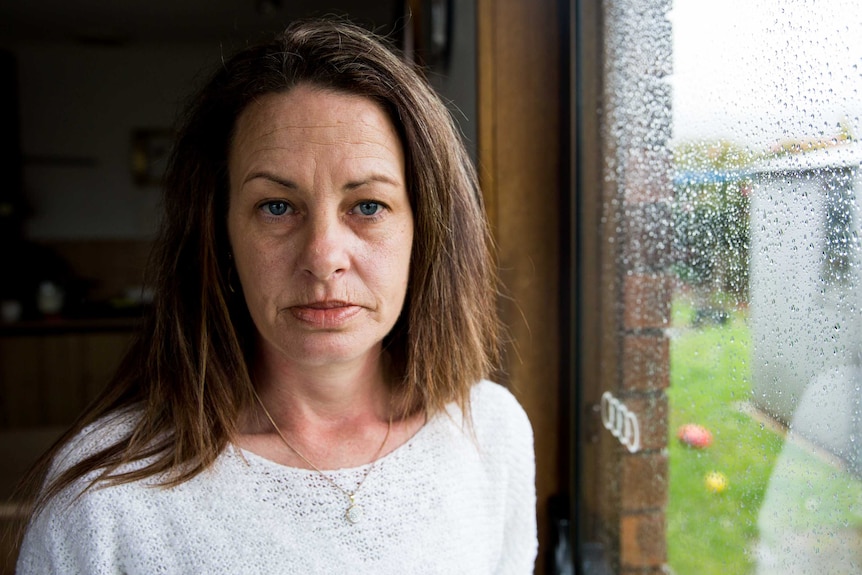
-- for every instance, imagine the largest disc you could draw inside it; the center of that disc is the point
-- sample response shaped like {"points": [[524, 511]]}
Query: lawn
{"points": [[716, 532]]}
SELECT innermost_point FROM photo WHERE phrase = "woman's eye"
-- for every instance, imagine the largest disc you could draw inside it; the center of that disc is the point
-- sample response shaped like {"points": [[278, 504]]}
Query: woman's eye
{"points": [[369, 208], [276, 208]]}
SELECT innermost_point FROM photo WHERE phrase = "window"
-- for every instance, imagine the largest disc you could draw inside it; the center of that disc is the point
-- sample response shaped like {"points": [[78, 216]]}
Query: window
{"points": [[721, 380]]}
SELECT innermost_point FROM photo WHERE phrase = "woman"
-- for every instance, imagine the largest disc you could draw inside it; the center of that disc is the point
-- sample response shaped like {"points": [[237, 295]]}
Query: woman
{"points": [[308, 391]]}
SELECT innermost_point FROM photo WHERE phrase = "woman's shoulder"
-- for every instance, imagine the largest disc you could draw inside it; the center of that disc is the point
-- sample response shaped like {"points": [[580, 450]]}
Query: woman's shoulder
{"points": [[491, 398], [495, 410], [94, 438]]}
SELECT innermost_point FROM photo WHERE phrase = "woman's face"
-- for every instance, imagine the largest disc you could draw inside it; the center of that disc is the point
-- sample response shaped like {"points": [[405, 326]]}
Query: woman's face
{"points": [[320, 225]]}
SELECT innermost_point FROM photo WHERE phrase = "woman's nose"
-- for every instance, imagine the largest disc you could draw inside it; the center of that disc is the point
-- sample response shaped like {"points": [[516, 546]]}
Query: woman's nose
{"points": [[325, 250]]}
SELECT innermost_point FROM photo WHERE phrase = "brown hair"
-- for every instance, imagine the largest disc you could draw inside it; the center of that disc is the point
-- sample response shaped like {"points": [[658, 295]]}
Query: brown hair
{"points": [[188, 370]]}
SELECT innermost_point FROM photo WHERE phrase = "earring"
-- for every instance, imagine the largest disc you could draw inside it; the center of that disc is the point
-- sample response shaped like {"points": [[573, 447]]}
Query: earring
{"points": [[229, 282], [230, 272]]}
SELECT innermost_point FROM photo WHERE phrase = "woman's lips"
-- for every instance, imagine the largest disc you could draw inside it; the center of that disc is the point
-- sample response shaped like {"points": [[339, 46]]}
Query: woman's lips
{"points": [[325, 314]]}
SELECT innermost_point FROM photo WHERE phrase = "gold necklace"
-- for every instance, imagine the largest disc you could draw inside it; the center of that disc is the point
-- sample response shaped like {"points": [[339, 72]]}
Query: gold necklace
{"points": [[353, 514]]}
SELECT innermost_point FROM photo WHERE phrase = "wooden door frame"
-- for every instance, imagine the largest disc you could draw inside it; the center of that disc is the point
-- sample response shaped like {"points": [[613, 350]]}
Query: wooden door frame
{"points": [[522, 105]]}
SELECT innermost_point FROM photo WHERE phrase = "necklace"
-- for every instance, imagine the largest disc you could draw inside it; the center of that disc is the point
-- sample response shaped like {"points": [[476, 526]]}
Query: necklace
{"points": [[353, 514]]}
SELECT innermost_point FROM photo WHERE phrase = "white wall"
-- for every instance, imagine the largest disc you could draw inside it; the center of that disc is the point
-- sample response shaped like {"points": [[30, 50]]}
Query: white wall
{"points": [[806, 324]]}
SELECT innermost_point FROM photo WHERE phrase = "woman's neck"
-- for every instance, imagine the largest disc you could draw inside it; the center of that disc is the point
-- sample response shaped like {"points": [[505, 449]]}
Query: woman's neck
{"points": [[355, 391], [336, 416]]}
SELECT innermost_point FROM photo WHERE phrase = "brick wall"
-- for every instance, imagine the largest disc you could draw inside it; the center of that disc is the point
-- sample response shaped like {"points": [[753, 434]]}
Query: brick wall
{"points": [[638, 128]]}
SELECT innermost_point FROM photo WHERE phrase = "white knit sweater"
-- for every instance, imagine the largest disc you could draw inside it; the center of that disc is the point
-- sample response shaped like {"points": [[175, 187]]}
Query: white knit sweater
{"points": [[446, 502]]}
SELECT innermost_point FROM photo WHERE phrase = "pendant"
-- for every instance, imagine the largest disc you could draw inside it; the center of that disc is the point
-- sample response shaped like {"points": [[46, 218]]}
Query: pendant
{"points": [[354, 512]]}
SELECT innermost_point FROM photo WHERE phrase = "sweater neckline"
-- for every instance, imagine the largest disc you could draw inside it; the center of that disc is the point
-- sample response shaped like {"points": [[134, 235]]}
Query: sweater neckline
{"points": [[247, 455]]}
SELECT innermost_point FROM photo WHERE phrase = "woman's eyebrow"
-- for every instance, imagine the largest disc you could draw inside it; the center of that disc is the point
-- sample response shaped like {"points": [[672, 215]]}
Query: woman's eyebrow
{"points": [[272, 178], [377, 177], [373, 178]]}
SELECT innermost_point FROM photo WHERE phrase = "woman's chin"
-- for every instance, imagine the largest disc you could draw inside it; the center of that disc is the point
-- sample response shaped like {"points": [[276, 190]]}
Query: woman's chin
{"points": [[322, 350]]}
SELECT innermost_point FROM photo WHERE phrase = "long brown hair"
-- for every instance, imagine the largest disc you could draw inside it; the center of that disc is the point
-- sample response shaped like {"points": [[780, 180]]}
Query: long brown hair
{"points": [[187, 373]]}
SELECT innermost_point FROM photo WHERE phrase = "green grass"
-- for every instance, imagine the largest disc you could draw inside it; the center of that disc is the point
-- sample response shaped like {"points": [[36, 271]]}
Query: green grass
{"points": [[714, 533]]}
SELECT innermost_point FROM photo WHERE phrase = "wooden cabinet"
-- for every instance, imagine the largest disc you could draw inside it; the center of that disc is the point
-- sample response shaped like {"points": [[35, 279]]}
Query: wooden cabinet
{"points": [[49, 371]]}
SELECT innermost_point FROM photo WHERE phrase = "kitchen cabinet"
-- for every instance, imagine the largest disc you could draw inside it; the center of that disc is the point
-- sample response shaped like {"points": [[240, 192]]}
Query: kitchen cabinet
{"points": [[49, 371]]}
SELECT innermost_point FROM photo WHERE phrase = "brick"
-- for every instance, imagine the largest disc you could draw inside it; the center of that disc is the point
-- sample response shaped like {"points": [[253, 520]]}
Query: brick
{"points": [[649, 241], [644, 482], [652, 414], [642, 540], [643, 24], [646, 362], [646, 301], [649, 171]]}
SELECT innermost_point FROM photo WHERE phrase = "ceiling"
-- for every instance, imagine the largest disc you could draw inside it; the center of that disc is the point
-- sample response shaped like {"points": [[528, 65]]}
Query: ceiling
{"points": [[125, 21]]}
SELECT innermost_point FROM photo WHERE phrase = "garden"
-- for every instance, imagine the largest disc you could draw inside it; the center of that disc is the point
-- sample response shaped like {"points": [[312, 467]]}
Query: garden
{"points": [[717, 490], [743, 489]]}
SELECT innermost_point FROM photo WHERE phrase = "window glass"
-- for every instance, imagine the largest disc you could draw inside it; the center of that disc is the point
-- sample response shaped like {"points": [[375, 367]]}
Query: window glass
{"points": [[765, 395]]}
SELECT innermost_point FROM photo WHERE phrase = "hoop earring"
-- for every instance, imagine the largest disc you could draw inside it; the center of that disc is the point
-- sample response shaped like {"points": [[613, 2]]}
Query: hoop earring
{"points": [[230, 272], [229, 282]]}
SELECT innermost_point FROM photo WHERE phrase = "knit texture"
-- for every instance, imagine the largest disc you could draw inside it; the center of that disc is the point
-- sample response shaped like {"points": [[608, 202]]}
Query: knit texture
{"points": [[446, 502]]}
